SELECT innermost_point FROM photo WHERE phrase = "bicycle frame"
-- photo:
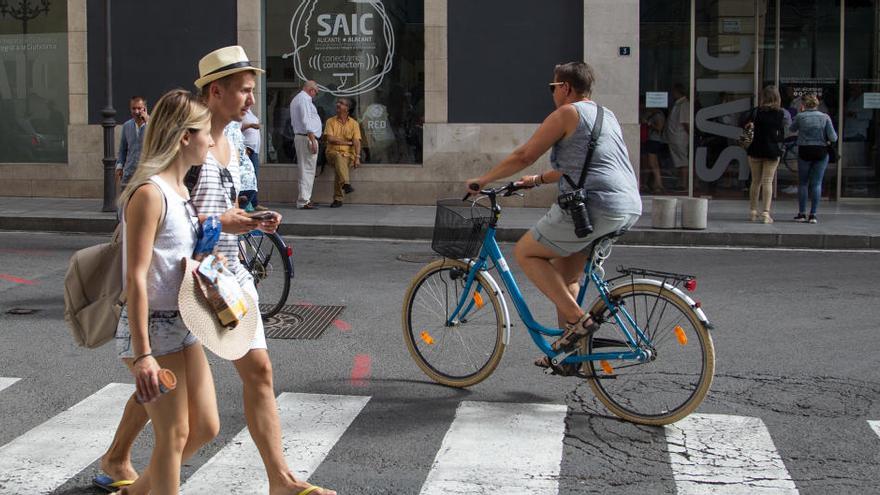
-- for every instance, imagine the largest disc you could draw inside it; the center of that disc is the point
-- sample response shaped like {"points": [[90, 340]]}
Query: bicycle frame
{"points": [[285, 255], [491, 251]]}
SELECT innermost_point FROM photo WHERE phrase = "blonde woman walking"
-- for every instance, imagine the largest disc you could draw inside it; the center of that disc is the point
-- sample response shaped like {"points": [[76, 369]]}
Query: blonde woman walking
{"points": [[159, 229], [770, 122]]}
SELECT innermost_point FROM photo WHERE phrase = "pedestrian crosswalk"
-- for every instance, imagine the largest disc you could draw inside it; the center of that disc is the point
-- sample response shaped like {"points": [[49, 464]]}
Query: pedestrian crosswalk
{"points": [[312, 424], [45, 457], [488, 447]]}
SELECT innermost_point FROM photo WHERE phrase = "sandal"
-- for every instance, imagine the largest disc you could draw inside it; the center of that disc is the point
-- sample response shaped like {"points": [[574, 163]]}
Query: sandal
{"points": [[573, 333]]}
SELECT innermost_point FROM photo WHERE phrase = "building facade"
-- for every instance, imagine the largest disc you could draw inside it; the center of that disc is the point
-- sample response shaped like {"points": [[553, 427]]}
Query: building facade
{"points": [[444, 89]]}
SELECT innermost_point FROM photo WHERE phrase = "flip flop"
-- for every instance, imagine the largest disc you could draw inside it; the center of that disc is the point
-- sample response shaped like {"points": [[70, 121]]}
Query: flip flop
{"points": [[310, 489], [110, 485]]}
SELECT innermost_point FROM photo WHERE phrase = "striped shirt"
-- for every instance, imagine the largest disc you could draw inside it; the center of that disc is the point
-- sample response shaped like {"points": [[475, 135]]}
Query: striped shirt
{"points": [[214, 193]]}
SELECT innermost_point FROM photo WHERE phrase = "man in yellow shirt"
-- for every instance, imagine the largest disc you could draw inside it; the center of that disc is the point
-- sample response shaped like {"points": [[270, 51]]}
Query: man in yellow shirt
{"points": [[343, 135]]}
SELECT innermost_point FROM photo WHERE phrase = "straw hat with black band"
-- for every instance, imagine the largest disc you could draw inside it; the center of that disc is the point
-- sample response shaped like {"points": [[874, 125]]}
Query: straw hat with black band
{"points": [[223, 62], [200, 319]]}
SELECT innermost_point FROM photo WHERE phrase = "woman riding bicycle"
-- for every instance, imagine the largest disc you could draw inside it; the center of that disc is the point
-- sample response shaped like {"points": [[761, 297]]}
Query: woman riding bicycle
{"points": [[551, 254]]}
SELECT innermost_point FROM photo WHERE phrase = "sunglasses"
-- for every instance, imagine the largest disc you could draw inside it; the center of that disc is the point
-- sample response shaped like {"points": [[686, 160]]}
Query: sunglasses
{"points": [[553, 86]]}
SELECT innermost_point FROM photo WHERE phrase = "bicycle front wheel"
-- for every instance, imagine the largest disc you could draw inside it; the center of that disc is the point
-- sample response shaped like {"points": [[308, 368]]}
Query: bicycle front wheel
{"points": [[462, 353], [265, 257], [674, 382]]}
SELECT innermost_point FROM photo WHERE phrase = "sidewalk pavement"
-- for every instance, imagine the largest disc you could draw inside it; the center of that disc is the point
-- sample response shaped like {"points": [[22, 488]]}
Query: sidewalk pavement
{"points": [[841, 225]]}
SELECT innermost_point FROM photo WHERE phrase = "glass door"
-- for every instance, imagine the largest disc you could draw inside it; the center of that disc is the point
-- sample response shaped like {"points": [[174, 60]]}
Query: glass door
{"points": [[809, 62], [860, 168]]}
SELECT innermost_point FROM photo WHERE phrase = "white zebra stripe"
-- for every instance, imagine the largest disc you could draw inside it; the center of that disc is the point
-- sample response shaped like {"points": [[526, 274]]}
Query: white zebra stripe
{"points": [[6, 382], [500, 448], [876, 426], [721, 454], [47, 456], [310, 426]]}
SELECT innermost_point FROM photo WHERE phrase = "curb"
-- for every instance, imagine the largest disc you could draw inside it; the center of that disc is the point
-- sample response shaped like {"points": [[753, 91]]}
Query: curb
{"points": [[636, 237]]}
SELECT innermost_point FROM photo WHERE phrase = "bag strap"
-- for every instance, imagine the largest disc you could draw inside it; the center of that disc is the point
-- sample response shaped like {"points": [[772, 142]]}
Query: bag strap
{"points": [[591, 147], [117, 234]]}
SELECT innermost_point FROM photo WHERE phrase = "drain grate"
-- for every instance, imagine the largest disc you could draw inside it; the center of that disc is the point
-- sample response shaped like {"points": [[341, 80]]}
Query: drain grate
{"points": [[301, 321], [21, 311]]}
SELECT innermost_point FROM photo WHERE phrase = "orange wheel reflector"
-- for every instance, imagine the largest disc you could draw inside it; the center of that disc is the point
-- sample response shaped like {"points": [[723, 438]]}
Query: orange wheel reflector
{"points": [[478, 300], [426, 337], [606, 367], [682, 337]]}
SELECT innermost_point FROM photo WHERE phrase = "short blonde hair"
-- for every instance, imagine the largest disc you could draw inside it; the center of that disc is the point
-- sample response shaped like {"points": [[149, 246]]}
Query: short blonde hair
{"points": [[810, 100], [770, 97]]}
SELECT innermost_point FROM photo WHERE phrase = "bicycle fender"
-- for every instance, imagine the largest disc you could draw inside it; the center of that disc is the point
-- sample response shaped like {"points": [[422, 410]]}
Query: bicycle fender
{"points": [[506, 313], [678, 292]]}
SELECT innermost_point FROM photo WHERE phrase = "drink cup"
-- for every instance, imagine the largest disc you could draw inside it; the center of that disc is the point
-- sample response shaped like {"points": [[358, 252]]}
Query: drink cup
{"points": [[167, 382]]}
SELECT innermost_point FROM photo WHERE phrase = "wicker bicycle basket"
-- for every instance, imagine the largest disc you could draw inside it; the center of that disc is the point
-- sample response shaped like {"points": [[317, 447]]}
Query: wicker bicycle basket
{"points": [[459, 228]]}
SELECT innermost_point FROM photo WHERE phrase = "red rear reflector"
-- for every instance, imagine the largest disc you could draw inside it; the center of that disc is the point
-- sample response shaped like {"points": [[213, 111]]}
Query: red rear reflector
{"points": [[289, 251], [690, 284]]}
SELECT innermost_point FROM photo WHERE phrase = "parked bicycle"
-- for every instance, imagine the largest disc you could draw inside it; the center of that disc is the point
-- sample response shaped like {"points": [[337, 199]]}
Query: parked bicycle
{"points": [[650, 362], [270, 261]]}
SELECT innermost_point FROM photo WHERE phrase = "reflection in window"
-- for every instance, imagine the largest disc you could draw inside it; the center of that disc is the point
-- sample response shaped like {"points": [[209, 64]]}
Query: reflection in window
{"points": [[370, 52], [33, 82]]}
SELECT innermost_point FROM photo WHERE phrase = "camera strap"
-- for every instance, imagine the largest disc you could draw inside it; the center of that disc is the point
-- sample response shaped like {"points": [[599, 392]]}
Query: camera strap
{"points": [[594, 139]]}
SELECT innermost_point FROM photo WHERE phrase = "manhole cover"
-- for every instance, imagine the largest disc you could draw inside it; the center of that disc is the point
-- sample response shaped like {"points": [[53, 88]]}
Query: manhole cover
{"points": [[301, 321], [418, 257], [21, 311]]}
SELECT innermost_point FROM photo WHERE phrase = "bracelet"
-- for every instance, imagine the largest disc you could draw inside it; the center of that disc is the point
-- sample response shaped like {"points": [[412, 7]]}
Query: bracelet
{"points": [[141, 357], [541, 176]]}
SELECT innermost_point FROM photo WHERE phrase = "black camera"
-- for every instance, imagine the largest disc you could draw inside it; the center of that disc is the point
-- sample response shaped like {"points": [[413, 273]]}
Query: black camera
{"points": [[575, 202]]}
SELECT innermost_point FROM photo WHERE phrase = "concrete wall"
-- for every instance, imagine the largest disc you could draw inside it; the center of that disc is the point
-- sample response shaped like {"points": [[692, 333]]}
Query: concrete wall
{"points": [[452, 152]]}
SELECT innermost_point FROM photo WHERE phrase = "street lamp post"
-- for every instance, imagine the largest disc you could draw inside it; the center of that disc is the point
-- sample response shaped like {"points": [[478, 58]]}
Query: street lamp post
{"points": [[109, 122]]}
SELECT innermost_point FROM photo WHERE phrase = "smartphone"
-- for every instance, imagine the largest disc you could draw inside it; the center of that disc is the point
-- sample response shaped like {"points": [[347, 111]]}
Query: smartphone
{"points": [[262, 215]]}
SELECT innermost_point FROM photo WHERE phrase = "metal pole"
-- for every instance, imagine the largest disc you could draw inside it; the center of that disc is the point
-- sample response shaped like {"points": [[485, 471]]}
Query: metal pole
{"points": [[109, 122]]}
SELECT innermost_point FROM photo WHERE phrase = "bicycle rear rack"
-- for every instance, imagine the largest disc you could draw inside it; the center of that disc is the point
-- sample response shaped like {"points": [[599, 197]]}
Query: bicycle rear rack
{"points": [[675, 279]]}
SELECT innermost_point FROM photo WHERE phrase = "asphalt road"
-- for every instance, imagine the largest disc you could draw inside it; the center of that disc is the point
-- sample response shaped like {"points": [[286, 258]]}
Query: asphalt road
{"points": [[795, 337]]}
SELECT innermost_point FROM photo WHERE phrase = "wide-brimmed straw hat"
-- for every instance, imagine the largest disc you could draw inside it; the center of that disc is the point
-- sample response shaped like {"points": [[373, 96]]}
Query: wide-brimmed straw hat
{"points": [[223, 62], [202, 321]]}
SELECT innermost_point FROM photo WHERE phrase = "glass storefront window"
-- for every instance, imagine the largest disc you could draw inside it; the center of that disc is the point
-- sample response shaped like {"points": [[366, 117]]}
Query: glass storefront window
{"points": [[370, 52], [664, 78], [33, 82], [861, 99]]}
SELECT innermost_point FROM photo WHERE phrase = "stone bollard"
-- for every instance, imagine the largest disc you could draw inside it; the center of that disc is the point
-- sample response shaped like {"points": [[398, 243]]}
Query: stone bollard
{"points": [[663, 213], [694, 213]]}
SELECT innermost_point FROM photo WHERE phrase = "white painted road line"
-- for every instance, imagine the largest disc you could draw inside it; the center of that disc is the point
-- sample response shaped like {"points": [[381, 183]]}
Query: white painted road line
{"points": [[876, 426], [500, 448], [721, 454], [47, 456], [310, 426], [6, 382]]}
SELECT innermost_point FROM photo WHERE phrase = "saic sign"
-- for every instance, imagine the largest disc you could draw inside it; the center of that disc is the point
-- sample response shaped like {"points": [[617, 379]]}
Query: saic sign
{"points": [[346, 46], [704, 117]]}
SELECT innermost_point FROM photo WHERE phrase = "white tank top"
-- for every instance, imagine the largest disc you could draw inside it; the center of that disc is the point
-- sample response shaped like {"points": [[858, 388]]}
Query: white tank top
{"points": [[175, 240]]}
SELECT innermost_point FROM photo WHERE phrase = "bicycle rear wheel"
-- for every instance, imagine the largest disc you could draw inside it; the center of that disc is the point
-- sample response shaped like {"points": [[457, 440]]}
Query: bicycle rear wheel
{"points": [[466, 352], [666, 388], [266, 258]]}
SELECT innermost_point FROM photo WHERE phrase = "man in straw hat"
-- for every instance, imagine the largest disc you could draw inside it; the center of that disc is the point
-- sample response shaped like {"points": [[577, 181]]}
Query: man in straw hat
{"points": [[226, 81]]}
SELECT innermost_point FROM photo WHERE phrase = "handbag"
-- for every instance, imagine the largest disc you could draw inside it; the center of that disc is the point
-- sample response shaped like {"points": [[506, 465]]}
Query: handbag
{"points": [[748, 132], [831, 149], [93, 295]]}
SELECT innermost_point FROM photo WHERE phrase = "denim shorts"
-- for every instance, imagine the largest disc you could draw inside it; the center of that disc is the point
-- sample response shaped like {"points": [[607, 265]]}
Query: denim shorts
{"points": [[556, 229], [166, 331]]}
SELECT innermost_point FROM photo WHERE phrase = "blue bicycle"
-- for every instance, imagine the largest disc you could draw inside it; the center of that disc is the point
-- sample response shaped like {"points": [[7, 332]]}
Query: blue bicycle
{"points": [[650, 362]]}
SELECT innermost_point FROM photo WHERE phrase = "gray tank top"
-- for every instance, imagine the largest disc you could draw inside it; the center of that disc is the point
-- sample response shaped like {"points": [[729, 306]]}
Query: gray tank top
{"points": [[611, 183]]}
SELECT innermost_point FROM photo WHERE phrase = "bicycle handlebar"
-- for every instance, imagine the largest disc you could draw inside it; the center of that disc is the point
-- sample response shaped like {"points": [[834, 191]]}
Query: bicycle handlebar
{"points": [[505, 190]]}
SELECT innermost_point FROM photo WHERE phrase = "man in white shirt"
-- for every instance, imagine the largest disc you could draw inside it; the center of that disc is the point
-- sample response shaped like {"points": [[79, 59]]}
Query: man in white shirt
{"points": [[250, 129], [307, 130], [677, 132]]}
